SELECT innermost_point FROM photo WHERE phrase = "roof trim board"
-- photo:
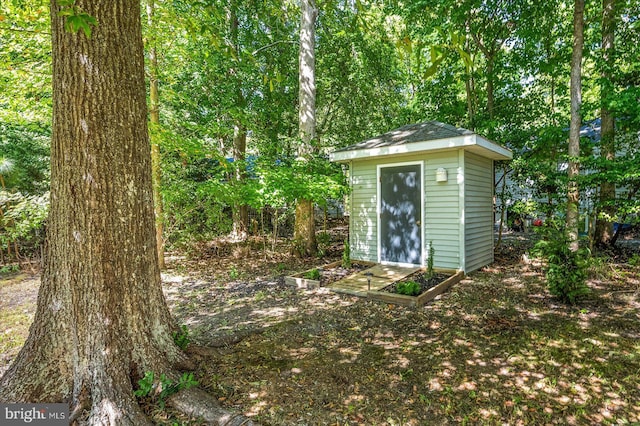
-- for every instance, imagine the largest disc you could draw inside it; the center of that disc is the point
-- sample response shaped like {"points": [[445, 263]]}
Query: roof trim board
{"points": [[472, 142], [421, 137]]}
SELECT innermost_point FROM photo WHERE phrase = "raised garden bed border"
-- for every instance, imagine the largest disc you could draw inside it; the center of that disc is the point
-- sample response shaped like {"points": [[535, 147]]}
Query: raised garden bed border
{"points": [[299, 281], [423, 298]]}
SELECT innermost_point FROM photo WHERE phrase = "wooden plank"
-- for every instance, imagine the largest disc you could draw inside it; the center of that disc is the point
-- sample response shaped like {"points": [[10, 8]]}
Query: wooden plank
{"points": [[420, 300]]}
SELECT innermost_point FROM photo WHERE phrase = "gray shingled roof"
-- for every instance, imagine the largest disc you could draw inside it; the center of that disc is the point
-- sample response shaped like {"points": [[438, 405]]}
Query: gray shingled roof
{"points": [[420, 132]]}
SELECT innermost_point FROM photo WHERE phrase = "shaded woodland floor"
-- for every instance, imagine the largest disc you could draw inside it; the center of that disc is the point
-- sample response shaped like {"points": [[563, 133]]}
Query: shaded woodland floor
{"points": [[495, 349]]}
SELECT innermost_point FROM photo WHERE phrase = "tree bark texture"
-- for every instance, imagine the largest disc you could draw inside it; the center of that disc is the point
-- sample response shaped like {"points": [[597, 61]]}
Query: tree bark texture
{"points": [[307, 76], [101, 319], [240, 210], [154, 118], [573, 191], [604, 224], [304, 228]]}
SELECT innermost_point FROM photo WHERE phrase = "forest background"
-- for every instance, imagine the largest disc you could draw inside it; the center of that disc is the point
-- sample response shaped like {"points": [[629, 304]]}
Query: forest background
{"points": [[223, 96]]}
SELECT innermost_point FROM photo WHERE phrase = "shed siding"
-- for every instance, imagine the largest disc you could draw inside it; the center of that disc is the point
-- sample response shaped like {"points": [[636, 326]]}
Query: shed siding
{"points": [[363, 225], [442, 212], [478, 211]]}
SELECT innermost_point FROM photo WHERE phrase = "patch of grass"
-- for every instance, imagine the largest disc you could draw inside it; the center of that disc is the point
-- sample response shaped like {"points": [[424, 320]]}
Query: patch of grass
{"points": [[313, 274], [14, 324]]}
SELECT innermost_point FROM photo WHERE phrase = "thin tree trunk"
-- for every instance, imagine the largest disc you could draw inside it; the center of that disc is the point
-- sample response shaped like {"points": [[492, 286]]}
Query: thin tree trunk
{"points": [[604, 223], [573, 191], [502, 207], [490, 90], [240, 209], [154, 114], [304, 228]]}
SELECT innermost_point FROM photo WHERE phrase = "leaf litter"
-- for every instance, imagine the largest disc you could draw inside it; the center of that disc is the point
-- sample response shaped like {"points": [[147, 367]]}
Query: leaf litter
{"points": [[495, 349]]}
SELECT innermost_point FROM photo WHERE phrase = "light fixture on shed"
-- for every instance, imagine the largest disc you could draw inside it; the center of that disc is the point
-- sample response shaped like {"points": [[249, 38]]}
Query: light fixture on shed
{"points": [[441, 174]]}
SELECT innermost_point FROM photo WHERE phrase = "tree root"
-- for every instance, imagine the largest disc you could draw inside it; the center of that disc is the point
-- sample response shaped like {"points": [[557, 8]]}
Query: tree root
{"points": [[200, 404]]}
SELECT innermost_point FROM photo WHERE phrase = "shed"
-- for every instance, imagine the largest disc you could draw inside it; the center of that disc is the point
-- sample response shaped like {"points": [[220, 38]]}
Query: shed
{"points": [[422, 185]]}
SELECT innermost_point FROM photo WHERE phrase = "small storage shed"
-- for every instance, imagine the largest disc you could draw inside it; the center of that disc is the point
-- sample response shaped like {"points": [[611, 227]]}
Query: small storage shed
{"points": [[422, 184]]}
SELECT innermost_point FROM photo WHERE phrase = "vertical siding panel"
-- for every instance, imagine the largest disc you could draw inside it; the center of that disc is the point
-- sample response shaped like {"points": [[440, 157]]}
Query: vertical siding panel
{"points": [[442, 209], [363, 229], [478, 211]]}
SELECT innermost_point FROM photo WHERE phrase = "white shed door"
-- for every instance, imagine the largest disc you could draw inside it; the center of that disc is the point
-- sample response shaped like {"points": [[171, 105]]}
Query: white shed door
{"points": [[400, 214]]}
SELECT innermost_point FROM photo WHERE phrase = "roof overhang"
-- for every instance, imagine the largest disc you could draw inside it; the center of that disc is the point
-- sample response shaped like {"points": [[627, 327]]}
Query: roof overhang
{"points": [[472, 143]]}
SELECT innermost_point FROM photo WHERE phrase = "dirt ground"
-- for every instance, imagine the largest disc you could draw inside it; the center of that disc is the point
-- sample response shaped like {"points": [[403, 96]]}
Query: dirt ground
{"points": [[495, 349]]}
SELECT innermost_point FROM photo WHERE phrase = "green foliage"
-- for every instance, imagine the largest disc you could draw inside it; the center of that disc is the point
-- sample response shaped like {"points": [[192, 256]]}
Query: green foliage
{"points": [[9, 269], [430, 259], [22, 221], [313, 274], [25, 65], [634, 260], [158, 389], [346, 255], [233, 273], [24, 157], [76, 19], [323, 240], [409, 288], [181, 338], [566, 270], [280, 182]]}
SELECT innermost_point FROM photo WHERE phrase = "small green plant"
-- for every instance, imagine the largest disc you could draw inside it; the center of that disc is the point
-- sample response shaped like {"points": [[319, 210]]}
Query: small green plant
{"points": [[181, 338], [313, 274], [233, 273], [634, 260], [9, 269], [432, 253], [324, 242], [566, 270], [409, 288], [281, 267], [346, 255], [158, 390], [260, 295]]}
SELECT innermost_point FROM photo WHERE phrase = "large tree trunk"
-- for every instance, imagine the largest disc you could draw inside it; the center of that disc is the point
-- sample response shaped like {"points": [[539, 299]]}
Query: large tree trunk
{"points": [[304, 228], [604, 224], [573, 191], [154, 117], [101, 319]]}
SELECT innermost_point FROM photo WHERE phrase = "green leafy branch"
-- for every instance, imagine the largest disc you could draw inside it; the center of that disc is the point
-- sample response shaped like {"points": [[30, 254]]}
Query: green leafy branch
{"points": [[160, 388], [76, 19]]}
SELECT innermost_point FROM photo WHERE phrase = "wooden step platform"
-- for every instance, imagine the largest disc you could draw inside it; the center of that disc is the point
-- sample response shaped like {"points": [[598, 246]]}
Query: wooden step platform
{"points": [[381, 276]]}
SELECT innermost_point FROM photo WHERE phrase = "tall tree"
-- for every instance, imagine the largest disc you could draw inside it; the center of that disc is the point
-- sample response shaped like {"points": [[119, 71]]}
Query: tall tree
{"points": [[101, 320], [573, 191], [240, 209], [304, 229], [604, 225], [154, 118]]}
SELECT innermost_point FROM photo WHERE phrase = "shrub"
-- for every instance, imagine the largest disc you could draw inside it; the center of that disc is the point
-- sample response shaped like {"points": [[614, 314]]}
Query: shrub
{"points": [[566, 270], [410, 288], [346, 255], [313, 274], [324, 243]]}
